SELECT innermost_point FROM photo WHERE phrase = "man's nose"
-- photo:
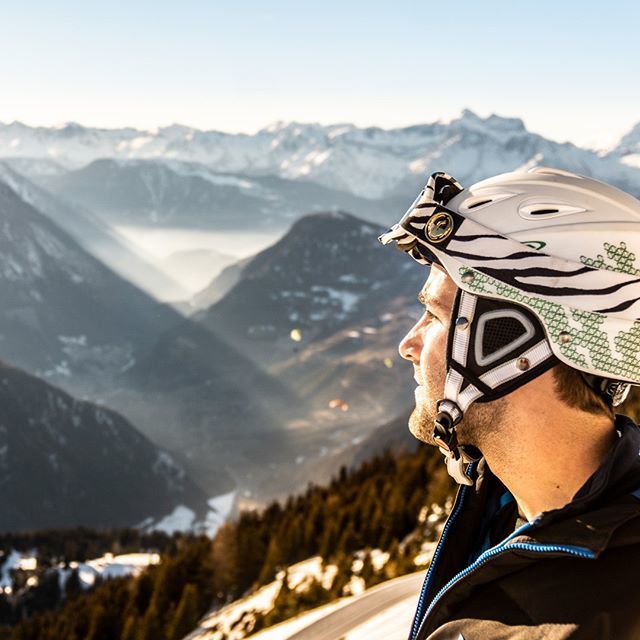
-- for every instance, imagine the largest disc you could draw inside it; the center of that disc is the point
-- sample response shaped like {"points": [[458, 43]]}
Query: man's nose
{"points": [[411, 345]]}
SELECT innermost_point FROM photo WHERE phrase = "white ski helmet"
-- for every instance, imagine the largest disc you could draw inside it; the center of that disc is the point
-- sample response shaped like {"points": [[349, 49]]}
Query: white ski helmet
{"points": [[545, 263]]}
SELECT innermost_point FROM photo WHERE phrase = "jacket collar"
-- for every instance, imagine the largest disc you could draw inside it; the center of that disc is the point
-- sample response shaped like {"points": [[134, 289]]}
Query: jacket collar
{"points": [[594, 520], [601, 505]]}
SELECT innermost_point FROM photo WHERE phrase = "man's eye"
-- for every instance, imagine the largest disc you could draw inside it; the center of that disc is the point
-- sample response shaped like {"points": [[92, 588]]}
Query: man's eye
{"points": [[429, 314]]}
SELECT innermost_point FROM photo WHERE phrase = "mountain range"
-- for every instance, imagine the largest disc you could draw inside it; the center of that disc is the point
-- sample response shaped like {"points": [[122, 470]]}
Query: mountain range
{"points": [[293, 367], [323, 310], [371, 163], [290, 360], [173, 193]]}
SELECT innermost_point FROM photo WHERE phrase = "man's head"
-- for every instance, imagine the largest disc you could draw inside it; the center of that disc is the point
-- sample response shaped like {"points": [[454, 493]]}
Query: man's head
{"points": [[425, 346], [517, 287]]}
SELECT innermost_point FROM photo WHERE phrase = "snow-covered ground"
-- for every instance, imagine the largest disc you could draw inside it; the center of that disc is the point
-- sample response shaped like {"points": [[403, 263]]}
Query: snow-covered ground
{"points": [[106, 566], [227, 622], [385, 611], [16, 560], [182, 518], [339, 619], [230, 621], [109, 566]]}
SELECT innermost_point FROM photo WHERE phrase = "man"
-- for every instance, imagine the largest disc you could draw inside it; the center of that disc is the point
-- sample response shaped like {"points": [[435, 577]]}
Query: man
{"points": [[529, 338]]}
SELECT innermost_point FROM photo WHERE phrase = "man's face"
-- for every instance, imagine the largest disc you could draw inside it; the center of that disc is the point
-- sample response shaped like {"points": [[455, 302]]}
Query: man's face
{"points": [[425, 346]]}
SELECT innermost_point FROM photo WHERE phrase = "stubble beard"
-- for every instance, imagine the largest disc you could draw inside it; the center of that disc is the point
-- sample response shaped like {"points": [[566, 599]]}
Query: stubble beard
{"points": [[482, 422]]}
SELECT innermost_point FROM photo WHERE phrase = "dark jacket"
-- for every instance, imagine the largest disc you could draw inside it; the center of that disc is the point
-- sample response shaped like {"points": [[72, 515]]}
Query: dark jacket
{"points": [[572, 573]]}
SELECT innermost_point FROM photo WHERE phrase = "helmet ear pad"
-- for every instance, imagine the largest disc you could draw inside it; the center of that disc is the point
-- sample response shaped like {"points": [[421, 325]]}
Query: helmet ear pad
{"points": [[505, 347]]}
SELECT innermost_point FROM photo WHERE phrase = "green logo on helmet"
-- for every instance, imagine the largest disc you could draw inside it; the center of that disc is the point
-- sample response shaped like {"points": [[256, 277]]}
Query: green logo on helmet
{"points": [[535, 244]]}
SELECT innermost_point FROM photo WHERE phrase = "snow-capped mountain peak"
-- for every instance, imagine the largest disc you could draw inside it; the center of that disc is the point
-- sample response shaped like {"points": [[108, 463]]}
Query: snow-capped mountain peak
{"points": [[369, 162]]}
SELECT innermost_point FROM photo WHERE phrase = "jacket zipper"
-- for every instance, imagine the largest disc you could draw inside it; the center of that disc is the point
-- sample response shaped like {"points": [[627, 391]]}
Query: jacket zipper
{"points": [[425, 585], [580, 552]]}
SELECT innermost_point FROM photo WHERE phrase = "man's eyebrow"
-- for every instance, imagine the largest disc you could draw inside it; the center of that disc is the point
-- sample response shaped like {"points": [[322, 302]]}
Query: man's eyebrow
{"points": [[425, 299]]}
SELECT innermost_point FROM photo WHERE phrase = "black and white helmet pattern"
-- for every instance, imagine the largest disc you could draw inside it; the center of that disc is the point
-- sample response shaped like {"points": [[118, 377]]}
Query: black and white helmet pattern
{"points": [[545, 262]]}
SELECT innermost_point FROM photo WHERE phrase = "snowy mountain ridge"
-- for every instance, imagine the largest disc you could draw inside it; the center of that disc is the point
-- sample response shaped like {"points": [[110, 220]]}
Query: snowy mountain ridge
{"points": [[628, 148], [371, 162]]}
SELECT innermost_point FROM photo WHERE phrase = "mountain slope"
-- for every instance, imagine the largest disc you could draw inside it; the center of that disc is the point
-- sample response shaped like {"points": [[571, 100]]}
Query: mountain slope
{"points": [[328, 272], [219, 286], [64, 314], [197, 396], [348, 301], [64, 462], [150, 191], [94, 236]]}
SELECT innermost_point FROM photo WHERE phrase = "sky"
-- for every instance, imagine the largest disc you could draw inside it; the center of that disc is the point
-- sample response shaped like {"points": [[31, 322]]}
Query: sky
{"points": [[570, 70]]}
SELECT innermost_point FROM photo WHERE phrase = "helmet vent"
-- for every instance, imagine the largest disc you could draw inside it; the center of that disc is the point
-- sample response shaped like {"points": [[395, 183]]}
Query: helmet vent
{"points": [[531, 210], [478, 204], [499, 333], [481, 200], [552, 171]]}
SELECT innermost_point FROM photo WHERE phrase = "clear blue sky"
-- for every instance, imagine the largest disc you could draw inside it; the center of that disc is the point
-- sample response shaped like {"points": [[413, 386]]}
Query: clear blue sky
{"points": [[569, 69]]}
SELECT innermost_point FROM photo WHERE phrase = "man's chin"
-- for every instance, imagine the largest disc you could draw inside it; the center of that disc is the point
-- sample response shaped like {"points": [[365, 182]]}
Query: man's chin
{"points": [[480, 423], [421, 425]]}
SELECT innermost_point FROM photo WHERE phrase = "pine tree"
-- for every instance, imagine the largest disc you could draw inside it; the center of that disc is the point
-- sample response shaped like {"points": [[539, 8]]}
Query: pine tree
{"points": [[100, 626], [150, 627], [347, 540], [72, 585], [367, 571], [130, 628], [272, 561], [228, 556], [186, 615], [143, 591], [161, 587]]}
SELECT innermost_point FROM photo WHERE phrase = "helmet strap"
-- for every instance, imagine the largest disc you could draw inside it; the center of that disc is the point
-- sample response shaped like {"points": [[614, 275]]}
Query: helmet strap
{"points": [[493, 348], [613, 392]]}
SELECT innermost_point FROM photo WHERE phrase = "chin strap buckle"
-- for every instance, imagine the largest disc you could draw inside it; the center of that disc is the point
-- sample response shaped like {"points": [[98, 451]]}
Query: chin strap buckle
{"points": [[444, 435]]}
